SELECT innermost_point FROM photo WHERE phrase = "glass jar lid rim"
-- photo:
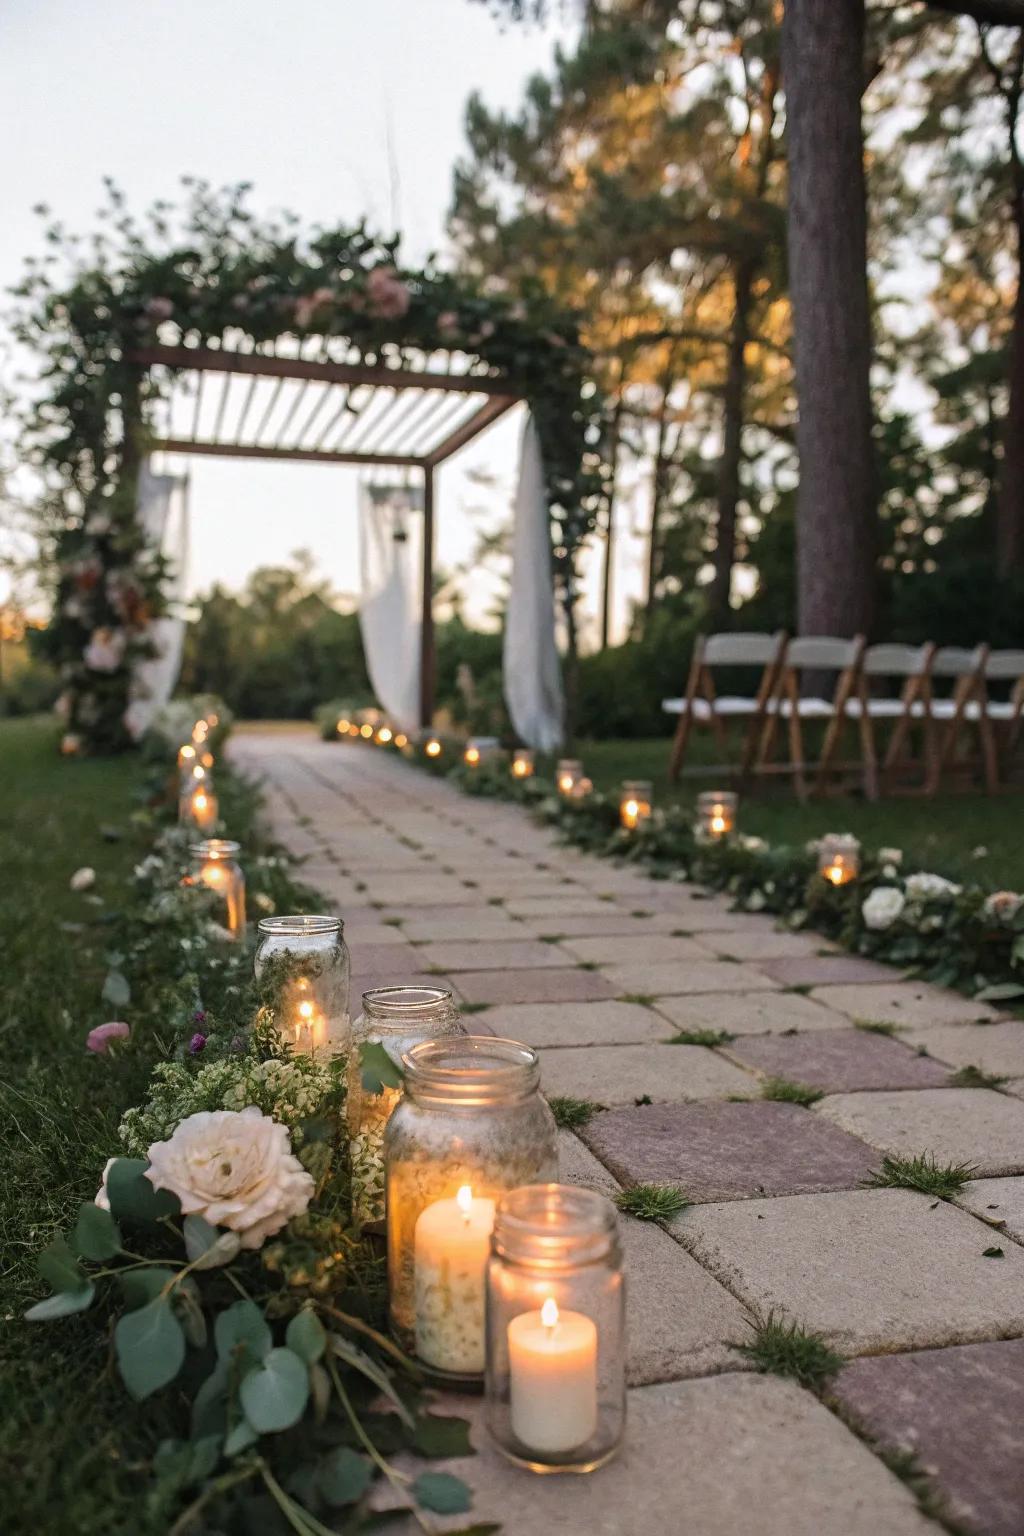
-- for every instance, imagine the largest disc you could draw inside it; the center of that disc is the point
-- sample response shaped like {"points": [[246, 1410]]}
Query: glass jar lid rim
{"points": [[470, 1062], [554, 1224], [403, 999], [298, 925], [215, 848]]}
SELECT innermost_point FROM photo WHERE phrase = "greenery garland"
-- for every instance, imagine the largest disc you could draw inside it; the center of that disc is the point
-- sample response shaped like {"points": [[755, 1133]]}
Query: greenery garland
{"points": [[215, 275]]}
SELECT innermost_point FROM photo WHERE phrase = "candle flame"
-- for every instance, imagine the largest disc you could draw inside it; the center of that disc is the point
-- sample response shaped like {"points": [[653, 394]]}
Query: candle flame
{"points": [[549, 1312], [366, 731], [836, 873], [199, 801], [718, 823], [433, 749], [305, 1010], [187, 752], [464, 1200], [199, 772], [472, 755], [565, 783], [631, 807]]}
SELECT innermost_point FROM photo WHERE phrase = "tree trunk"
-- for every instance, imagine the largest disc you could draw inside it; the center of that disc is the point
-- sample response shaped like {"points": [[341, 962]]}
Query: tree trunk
{"points": [[732, 443], [822, 67], [657, 494], [609, 536], [1010, 505]]}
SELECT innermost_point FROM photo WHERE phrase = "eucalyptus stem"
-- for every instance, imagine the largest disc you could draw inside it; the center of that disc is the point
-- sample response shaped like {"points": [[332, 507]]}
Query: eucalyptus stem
{"points": [[397, 1479], [210, 1492], [300, 1520]]}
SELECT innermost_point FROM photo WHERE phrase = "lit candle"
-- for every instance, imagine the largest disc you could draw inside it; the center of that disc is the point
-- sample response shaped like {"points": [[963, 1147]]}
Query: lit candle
{"points": [[716, 815], [186, 755], [839, 859], [568, 774], [552, 1378], [219, 871], [433, 747], [452, 1243], [522, 764], [401, 740], [635, 803], [343, 727], [472, 755], [200, 731], [384, 735], [203, 808]]}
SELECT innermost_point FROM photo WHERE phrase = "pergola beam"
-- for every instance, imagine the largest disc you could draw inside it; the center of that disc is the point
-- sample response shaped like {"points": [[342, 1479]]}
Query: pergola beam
{"points": [[256, 451], [476, 424], [208, 359]]}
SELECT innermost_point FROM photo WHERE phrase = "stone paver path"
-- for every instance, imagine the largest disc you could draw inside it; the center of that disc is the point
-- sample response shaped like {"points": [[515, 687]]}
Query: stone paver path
{"points": [[601, 968]]}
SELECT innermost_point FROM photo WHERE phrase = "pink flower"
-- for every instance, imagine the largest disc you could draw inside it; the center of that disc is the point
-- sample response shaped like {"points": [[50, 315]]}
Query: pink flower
{"points": [[387, 296], [307, 306], [159, 309], [100, 1038], [105, 650]]}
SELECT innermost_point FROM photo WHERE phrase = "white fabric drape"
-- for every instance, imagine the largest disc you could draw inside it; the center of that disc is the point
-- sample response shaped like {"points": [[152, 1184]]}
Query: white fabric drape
{"points": [[163, 513], [390, 546], [532, 673]]}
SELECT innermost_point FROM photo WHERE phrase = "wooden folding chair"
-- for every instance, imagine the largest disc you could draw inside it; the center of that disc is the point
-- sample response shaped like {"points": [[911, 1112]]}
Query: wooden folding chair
{"points": [[702, 705], [949, 719], [795, 701], [885, 665], [1002, 718]]}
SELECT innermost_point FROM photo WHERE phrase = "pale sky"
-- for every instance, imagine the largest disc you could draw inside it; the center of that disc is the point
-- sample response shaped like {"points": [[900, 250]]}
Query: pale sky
{"points": [[308, 100]]}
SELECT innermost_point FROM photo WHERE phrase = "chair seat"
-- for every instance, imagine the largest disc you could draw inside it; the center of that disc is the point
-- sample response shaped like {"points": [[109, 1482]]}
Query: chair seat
{"points": [[806, 709], [703, 710], [878, 709]]}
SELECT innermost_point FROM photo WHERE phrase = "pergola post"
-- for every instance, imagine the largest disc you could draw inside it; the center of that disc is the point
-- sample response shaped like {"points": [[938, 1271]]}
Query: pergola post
{"points": [[428, 657]]}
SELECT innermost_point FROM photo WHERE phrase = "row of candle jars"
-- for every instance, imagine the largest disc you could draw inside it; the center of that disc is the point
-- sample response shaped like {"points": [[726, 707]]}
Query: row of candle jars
{"points": [[197, 800], [496, 1273]]}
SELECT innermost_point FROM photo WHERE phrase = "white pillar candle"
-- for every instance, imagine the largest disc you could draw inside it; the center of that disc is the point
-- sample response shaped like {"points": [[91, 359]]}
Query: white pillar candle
{"points": [[552, 1379], [452, 1242]]}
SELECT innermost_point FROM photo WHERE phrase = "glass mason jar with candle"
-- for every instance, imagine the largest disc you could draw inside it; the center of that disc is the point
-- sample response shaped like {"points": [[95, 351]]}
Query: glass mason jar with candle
{"points": [[303, 966], [197, 803], [480, 749], [716, 815], [635, 803], [215, 865], [523, 763], [472, 1124], [396, 1019], [568, 774], [839, 858], [556, 1368]]}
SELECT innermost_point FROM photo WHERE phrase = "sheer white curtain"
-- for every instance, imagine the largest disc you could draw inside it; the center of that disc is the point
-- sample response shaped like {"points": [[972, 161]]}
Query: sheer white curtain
{"points": [[163, 513], [532, 673], [390, 557]]}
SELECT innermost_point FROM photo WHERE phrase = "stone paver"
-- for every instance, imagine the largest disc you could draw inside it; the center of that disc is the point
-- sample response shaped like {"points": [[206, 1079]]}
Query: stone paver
{"points": [[493, 955], [578, 1024], [903, 1002], [540, 986], [624, 949], [825, 970], [767, 945], [615, 921], [996, 1048], [683, 976], [728, 1151], [1000, 1201], [751, 1013], [622, 1074], [570, 904], [736, 1455], [873, 1270], [938, 1406], [462, 924], [956, 1125], [838, 1060]]}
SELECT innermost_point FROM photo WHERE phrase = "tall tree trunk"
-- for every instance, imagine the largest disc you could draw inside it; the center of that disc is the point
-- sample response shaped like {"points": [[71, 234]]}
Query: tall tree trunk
{"points": [[732, 443], [657, 493], [609, 535], [837, 519]]}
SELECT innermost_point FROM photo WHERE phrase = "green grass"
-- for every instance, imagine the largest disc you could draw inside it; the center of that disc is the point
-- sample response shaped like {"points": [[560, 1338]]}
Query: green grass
{"points": [[709, 1037], [642, 999], [572, 1113], [652, 1202], [923, 1173], [877, 1027], [974, 1077], [785, 1349], [783, 1091], [474, 1007], [939, 834]]}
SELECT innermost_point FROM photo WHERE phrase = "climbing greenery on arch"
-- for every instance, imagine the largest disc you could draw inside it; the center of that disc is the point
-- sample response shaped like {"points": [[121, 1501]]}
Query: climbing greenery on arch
{"points": [[212, 273]]}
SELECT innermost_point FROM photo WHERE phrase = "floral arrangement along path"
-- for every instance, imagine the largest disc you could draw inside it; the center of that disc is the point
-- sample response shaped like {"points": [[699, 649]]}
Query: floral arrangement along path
{"points": [[843, 1147]]}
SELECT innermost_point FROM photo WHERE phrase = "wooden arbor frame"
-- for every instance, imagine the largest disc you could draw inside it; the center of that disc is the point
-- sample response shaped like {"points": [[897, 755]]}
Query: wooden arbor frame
{"points": [[331, 410]]}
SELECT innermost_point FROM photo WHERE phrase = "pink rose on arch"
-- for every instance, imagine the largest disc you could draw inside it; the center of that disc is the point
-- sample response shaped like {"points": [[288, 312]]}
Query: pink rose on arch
{"points": [[386, 295], [159, 308], [310, 303], [103, 1036], [105, 650]]}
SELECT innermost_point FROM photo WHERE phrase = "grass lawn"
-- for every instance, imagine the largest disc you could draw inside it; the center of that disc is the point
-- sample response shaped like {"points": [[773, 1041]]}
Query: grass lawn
{"points": [[940, 834]]}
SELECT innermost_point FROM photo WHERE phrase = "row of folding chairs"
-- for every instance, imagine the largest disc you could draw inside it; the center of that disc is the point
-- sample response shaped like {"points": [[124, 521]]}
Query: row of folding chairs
{"points": [[922, 717]]}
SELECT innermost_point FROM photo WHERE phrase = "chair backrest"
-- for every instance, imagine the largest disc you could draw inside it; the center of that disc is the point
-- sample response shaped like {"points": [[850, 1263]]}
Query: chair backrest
{"points": [[956, 661], [891, 660], [827, 652], [735, 649], [1007, 665]]}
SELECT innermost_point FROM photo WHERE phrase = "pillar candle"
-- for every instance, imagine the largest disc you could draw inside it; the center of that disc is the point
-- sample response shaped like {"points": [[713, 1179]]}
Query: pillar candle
{"points": [[552, 1379], [452, 1242]]}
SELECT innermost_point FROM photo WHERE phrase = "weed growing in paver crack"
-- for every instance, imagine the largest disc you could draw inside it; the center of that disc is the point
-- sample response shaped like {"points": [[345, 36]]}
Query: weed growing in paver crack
{"points": [[552, 938], [922, 1173], [393, 922], [700, 1037], [642, 999], [473, 1007], [571, 1113], [495, 901], [641, 912], [784, 1092], [586, 965], [801, 989], [877, 1027], [652, 1202], [974, 1077], [435, 970], [681, 933], [786, 1349]]}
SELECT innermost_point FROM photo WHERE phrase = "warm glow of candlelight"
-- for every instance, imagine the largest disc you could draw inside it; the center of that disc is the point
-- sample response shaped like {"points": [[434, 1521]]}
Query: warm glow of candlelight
{"points": [[384, 735], [433, 747], [366, 731], [472, 756], [200, 731], [401, 740], [565, 783], [549, 1313], [464, 1200], [186, 753], [837, 872], [718, 825], [342, 727]]}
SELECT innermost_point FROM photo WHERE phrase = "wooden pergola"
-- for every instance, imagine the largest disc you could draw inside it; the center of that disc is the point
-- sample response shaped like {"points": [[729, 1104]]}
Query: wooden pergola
{"points": [[331, 408]]}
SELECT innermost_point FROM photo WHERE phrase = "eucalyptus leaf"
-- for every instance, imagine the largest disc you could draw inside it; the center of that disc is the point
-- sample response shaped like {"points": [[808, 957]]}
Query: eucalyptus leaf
{"points": [[59, 1267], [96, 1235], [63, 1304], [241, 1438], [243, 1327], [306, 1336], [150, 1348], [116, 989], [275, 1396], [132, 1196], [190, 1312], [209, 1247], [440, 1435], [1000, 992], [142, 1285], [377, 1068], [344, 1476], [210, 1406], [442, 1493]]}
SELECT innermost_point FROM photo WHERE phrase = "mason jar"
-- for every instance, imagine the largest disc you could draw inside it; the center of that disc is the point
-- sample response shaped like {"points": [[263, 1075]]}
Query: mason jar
{"points": [[556, 1344], [394, 1018], [303, 967], [635, 803], [716, 815], [215, 865], [471, 1125]]}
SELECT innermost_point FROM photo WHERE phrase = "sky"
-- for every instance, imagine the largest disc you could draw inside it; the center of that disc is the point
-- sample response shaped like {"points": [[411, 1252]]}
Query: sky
{"points": [[335, 109]]}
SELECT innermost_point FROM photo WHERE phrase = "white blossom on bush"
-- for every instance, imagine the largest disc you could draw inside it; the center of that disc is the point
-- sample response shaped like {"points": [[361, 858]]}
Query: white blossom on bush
{"points": [[236, 1170], [753, 844], [105, 650], [1003, 906], [890, 856], [882, 908], [83, 879], [925, 887]]}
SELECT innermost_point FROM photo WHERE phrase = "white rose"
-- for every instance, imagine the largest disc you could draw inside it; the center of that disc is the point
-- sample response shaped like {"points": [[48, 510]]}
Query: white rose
{"points": [[1003, 906], [881, 909], [236, 1169], [82, 879], [925, 887]]}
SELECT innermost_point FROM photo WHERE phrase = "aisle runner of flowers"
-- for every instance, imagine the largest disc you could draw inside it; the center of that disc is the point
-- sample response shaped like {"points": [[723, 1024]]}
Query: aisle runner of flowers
{"points": [[220, 1240]]}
